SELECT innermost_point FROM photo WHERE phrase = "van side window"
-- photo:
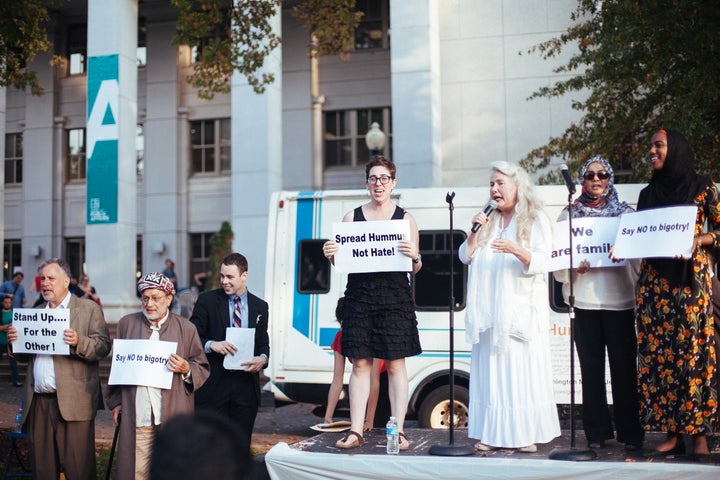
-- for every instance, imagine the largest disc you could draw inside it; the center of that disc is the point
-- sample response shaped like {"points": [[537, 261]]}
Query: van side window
{"points": [[313, 269], [555, 296], [431, 285]]}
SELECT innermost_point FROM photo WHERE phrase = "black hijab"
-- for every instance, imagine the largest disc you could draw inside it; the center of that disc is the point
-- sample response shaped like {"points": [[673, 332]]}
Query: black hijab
{"points": [[676, 183]]}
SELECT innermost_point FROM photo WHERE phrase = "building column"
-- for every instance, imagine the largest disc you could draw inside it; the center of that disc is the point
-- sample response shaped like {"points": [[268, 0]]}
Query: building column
{"points": [[165, 174], [256, 161], [415, 77], [111, 212], [42, 187]]}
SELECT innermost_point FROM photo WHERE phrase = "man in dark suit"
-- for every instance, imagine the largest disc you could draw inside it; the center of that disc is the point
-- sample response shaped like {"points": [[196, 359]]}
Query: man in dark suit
{"points": [[232, 393], [63, 391]]}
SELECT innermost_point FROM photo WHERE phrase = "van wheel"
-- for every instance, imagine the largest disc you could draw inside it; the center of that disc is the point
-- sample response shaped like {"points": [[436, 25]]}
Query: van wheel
{"points": [[434, 410]]}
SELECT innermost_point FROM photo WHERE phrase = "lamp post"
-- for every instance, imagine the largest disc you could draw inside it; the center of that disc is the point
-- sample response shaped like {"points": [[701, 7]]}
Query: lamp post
{"points": [[375, 139]]}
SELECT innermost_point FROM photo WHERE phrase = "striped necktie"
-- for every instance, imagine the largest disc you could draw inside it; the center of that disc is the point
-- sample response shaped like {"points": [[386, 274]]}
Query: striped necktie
{"points": [[237, 313]]}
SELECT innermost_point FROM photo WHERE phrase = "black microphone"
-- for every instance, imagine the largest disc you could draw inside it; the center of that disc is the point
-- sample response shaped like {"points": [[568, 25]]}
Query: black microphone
{"points": [[491, 205], [568, 181]]}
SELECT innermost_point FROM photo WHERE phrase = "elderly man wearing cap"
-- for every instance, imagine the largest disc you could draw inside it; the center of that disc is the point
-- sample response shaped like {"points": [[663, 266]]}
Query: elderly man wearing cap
{"points": [[144, 408]]}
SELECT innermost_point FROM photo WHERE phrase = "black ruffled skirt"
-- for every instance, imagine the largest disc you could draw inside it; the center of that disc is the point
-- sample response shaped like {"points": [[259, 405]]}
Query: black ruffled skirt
{"points": [[379, 317]]}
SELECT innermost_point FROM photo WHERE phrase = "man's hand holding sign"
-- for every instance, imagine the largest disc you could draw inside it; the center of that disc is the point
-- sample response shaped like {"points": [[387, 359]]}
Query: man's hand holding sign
{"points": [[41, 330]]}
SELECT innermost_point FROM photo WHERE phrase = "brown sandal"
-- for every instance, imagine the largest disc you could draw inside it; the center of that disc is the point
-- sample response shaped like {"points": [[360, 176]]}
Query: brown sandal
{"points": [[345, 442], [404, 445]]}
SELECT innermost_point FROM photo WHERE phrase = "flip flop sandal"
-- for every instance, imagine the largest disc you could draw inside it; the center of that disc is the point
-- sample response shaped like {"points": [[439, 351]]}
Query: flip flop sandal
{"points": [[346, 443], [404, 445]]}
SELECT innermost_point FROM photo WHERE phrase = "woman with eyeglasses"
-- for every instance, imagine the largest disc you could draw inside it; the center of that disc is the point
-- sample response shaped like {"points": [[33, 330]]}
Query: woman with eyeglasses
{"points": [[379, 312], [604, 320], [507, 319], [676, 356]]}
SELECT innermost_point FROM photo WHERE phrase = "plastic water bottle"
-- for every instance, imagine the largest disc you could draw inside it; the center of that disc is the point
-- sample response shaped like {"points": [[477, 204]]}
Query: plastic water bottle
{"points": [[393, 437], [18, 420]]}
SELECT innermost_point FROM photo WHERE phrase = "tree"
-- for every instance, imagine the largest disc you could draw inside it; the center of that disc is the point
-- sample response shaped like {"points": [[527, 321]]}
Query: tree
{"points": [[22, 36], [220, 246], [643, 65], [236, 35]]}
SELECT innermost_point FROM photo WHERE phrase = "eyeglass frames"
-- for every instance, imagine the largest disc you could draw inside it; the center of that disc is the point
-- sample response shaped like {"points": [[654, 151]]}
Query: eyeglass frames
{"points": [[384, 179]]}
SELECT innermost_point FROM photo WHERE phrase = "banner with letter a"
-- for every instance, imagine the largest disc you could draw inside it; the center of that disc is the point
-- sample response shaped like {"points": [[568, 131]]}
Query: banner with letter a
{"points": [[102, 139]]}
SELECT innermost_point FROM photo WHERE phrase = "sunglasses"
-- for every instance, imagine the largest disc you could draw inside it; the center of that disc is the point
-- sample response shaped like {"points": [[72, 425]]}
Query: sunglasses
{"points": [[602, 175]]}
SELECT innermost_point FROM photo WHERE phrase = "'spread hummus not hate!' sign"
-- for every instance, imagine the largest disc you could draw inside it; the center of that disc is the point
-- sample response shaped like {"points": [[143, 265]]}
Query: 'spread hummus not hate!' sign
{"points": [[371, 246]]}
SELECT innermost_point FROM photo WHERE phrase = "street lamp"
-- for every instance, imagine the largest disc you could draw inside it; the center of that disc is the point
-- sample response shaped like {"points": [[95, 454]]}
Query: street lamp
{"points": [[375, 139]]}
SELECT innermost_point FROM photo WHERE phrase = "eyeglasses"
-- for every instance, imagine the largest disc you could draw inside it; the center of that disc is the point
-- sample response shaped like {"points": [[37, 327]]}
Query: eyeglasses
{"points": [[155, 299], [602, 175], [384, 179]]}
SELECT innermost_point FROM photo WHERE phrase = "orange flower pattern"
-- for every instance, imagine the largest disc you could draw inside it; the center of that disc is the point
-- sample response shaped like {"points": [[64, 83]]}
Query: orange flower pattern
{"points": [[676, 358]]}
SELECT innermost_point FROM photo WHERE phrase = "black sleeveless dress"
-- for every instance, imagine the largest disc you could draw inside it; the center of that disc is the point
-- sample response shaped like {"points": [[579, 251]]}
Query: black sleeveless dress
{"points": [[379, 316]]}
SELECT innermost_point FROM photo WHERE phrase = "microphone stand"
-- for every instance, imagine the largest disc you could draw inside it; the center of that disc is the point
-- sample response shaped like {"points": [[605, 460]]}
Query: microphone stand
{"points": [[452, 450], [573, 454]]}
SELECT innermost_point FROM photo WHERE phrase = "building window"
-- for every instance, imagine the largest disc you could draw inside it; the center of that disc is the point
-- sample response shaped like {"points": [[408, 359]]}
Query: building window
{"points": [[75, 255], [431, 283], [77, 49], [373, 31], [12, 257], [13, 158], [76, 168], [200, 253], [140, 149], [345, 135], [141, 51], [210, 145]]}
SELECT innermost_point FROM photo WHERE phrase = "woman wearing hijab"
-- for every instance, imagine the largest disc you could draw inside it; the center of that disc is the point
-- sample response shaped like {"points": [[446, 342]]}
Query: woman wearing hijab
{"points": [[507, 319], [604, 319], [674, 315]]}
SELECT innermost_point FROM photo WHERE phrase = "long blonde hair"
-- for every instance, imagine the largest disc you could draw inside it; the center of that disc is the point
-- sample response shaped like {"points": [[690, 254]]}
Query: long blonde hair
{"points": [[526, 209]]}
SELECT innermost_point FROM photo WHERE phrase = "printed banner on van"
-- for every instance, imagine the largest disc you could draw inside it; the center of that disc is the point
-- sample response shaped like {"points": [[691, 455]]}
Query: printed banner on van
{"points": [[141, 362], [592, 238], [371, 246], [660, 232], [41, 330]]}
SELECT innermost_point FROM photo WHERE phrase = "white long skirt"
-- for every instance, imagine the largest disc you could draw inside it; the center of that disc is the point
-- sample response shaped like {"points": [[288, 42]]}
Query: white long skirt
{"points": [[511, 393]]}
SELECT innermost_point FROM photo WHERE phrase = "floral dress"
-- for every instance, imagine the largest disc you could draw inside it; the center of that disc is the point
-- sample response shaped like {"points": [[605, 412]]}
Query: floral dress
{"points": [[676, 356]]}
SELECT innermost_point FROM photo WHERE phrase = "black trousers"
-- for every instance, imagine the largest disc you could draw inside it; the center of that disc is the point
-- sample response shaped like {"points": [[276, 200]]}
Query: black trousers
{"points": [[595, 332]]}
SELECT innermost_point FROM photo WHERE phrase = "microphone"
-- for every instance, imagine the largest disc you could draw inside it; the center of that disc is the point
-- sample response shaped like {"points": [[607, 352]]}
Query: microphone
{"points": [[568, 181], [491, 205]]}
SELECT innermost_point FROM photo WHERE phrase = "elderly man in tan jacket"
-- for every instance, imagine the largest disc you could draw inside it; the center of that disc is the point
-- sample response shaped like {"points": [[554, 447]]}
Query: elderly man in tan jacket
{"points": [[63, 391]]}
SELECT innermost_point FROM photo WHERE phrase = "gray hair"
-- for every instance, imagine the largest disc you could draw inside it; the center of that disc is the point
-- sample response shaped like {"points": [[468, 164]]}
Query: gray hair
{"points": [[64, 266]]}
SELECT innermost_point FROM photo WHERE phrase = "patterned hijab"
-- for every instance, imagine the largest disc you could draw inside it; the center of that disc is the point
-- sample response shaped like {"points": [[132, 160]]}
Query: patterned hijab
{"points": [[605, 205], [676, 183]]}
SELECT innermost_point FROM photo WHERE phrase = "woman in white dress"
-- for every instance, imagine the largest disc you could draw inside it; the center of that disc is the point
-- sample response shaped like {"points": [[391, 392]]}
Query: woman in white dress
{"points": [[507, 318]]}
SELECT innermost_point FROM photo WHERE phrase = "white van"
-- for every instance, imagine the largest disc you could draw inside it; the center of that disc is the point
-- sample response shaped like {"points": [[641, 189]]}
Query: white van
{"points": [[302, 289]]}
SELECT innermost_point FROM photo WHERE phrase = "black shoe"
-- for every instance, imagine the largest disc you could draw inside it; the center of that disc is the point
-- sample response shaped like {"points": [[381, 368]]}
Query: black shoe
{"points": [[678, 449], [633, 447], [595, 445]]}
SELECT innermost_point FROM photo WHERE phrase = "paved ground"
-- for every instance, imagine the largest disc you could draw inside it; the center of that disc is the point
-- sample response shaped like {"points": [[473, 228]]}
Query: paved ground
{"points": [[281, 424]]}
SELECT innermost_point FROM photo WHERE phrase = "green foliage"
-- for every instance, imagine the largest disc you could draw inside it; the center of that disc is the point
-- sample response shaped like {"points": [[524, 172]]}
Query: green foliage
{"points": [[220, 246], [643, 65], [22, 37], [332, 24], [233, 35]]}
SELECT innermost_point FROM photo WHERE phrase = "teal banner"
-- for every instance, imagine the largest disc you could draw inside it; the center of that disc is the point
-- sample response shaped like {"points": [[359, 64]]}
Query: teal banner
{"points": [[102, 139]]}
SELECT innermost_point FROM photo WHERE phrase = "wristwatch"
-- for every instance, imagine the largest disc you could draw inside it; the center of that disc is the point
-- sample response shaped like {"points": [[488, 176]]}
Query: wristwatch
{"points": [[417, 260]]}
